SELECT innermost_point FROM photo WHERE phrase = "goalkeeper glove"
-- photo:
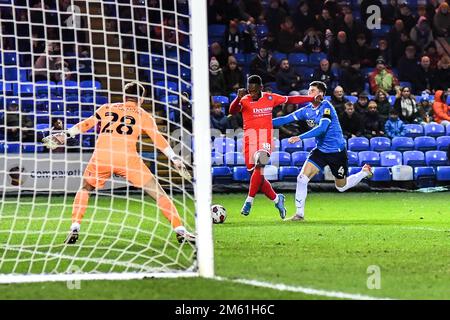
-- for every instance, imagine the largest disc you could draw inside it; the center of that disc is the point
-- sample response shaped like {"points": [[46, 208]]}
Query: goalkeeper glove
{"points": [[56, 140], [181, 168]]}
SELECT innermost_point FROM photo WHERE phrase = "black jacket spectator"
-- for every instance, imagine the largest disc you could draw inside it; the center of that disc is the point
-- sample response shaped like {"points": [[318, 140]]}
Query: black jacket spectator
{"points": [[287, 79], [351, 122], [218, 119], [351, 78], [233, 76], [303, 17], [443, 74], [373, 124], [288, 37], [338, 100], [274, 16], [325, 21], [341, 48], [407, 65], [425, 80], [324, 74], [264, 65], [216, 80]]}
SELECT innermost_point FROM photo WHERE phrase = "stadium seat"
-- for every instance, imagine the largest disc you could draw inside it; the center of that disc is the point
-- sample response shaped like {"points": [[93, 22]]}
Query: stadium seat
{"points": [[288, 173], [271, 173], [261, 30], [381, 174], [144, 60], [291, 147], [434, 130], [10, 73], [23, 75], [316, 57], [358, 144], [88, 86], [31, 148], [9, 58], [414, 158], [298, 59], [352, 99], [280, 158], [353, 159], [298, 158], [278, 56], [353, 170], [27, 105], [309, 144], [26, 89], [306, 72], [402, 173], [216, 30], [442, 143], [234, 159], [241, 59], [404, 84], [216, 159], [239, 145], [382, 31], [380, 144], [221, 99], [369, 157], [12, 147], [424, 143], [319, 177], [413, 130], [390, 158], [100, 100], [42, 88], [443, 173], [425, 177], [241, 174], [224, 145], [436, 158], [402, 144], [448, 130]]}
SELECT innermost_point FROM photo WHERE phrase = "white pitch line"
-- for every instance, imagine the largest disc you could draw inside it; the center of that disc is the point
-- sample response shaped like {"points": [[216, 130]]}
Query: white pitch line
{"points": [[299, 289], [425, 229]]}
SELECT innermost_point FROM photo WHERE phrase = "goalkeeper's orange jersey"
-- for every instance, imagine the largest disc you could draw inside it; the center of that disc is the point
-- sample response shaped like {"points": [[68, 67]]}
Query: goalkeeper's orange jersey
{"points": [[121, 124]]}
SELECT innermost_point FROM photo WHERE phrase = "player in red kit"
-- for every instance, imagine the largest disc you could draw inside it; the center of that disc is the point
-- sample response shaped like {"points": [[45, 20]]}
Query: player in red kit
{"points": [[256, 108]]}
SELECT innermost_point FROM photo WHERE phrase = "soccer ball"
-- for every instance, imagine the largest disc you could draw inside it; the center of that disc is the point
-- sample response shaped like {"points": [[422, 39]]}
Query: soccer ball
{"points": [[218, 213]]}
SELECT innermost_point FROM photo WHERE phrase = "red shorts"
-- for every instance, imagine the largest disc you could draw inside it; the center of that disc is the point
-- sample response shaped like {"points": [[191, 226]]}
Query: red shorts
{"points": [[250, 150]]}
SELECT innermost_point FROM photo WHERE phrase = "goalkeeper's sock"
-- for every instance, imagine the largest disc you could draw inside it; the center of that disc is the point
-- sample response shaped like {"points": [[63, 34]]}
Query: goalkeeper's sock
{"points": [[255, 182], [75, 226], [80, 205], [169, 211], [300, 194], [267, 189]]}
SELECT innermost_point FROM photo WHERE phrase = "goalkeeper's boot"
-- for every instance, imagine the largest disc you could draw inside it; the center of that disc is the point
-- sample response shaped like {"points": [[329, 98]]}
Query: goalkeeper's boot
{"points": [[72, 237], [367, 168], [185, 236], [280, 206], [246, 208]]}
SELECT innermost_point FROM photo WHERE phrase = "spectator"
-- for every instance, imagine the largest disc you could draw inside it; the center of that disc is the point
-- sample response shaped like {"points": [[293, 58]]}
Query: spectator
{"points": [[373, 125], [288, 81], [325, 21], [288, 37], [290, 129], [443, 74], [218, 53], [275, 15], [218, 119], [351, 122], [250, 39], [390, 12], [312, 41], [384, 51], [233, 75], [351, 78], [233, 38], [17, 127], [220, 11], [440, 108], [407, 17], [235, 121], [396, 31], [269, 42], [264, 65], [324, 74], [382, 78], [407, 65], [425, 111], [394, 127], [329, 40], [251, 11], [431, 52], [353, 28], [383, 104], [421, 34], [441, 20], [303, 17], [405, 105], [362, 103], [363, 53], [216, 80], [338, 100], [50, 65], [341, 49], [425, 79], [431, 8]]}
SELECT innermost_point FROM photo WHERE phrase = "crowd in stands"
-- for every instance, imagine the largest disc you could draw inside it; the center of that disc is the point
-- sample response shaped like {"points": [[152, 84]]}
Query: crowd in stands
{"points": [[378, 80]]}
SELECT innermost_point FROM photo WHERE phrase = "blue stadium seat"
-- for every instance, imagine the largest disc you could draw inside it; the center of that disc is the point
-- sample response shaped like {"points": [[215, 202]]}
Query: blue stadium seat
{"points": [[436, 158], [31, 148], [241, 58], [352, 170], [239, 145], [217, 159], [298, 59], [402, 144], [424, 172], [144, 60], [306, 72], [288, 173], [358, 144], [380, 144], [442, 143], [12, 147], [391, 100], [414, 158], [390, 158], [434, 130], [316, 57], [234, 159], [42, 88], [309, 144], [318, 177], [353, 159], [352, 99], [221, 172], [27, 105], [280, 158], [88, 87], [9, 58], [100, 100], [369, 157], [261, 30], [26, 89], [278, 56], [298, 158], [221, 99], [381, 174], [382, 31], [413, 130], [216, 30], [291, 147], [224, 145], [23, 75], [404, 84], [10, 73], [271, 172], [241, 174], [424, 143], [443, 173], [276, 144]]}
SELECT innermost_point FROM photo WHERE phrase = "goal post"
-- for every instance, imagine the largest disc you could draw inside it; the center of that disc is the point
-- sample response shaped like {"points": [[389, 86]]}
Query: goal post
{"points": [[100, 46]]}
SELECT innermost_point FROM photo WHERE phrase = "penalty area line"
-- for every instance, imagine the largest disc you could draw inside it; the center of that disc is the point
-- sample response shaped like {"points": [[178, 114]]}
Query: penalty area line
{"points": [[299, 289]]}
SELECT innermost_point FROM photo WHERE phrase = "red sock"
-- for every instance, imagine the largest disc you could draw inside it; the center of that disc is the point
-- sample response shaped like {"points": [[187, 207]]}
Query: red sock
{"points": [[255, 182], [267, 189]]}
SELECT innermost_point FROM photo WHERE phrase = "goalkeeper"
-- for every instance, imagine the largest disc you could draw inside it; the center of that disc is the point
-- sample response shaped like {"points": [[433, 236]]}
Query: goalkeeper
{"points": [[115, 152]]}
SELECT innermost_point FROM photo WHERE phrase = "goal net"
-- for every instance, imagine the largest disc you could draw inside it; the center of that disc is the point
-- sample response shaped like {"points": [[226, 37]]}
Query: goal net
{"points": [[61, 61]]}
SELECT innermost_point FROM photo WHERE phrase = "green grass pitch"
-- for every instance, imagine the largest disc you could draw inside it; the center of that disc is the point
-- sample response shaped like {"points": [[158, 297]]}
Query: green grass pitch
{"points": [[405, 235]]}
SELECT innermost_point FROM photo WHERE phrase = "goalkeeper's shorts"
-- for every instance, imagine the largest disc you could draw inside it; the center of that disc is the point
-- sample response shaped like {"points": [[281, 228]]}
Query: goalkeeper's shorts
{"points": [[132, 169]]}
